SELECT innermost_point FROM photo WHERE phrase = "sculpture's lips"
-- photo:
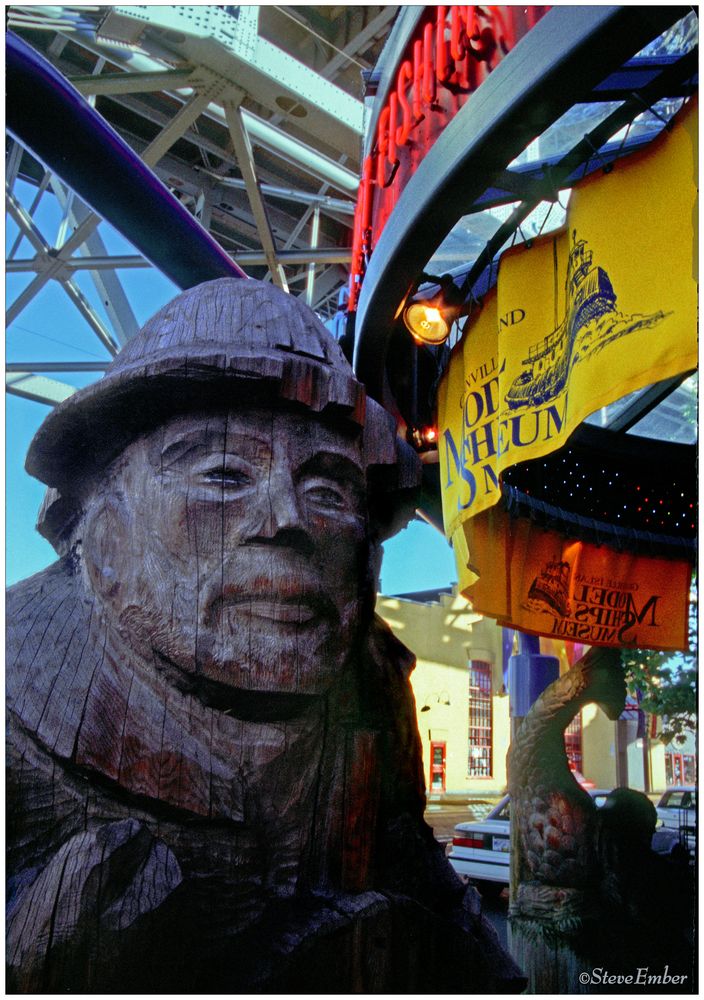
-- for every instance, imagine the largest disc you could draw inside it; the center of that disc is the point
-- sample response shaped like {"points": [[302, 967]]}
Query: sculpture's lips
{"points": [[289, 611], [294, 608]]}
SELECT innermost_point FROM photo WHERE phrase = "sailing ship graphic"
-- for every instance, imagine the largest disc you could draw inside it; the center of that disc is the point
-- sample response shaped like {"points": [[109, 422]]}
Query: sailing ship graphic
{"points": [[591, 322], [549, 591]]}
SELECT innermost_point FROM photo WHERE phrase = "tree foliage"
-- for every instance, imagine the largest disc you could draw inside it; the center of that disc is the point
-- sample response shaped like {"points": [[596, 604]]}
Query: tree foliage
{"points": [[667, 684]]}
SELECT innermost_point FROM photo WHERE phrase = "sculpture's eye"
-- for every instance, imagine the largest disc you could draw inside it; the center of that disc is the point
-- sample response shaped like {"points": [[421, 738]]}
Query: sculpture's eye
{"points": [[327, 496], [225, 477]]}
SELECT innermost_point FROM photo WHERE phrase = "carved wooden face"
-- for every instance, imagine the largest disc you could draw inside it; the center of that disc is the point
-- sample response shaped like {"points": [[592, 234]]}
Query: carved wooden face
{"points": [[236, 546]]}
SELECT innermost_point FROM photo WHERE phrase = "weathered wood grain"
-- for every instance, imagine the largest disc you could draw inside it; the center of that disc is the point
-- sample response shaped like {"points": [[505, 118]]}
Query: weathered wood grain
{"points": [[214, 774]]}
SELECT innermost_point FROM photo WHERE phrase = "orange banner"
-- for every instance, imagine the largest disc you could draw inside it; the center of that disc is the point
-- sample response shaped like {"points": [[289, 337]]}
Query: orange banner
{"points": [[541, 582]]}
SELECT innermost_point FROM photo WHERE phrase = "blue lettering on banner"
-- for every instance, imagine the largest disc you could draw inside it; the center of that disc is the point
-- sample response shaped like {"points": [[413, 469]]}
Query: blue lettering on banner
{"points": [[472, 460]]}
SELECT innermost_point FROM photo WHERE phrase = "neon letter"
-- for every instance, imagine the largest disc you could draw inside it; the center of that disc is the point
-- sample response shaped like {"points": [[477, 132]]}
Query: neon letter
{"points": [[405, 76]]}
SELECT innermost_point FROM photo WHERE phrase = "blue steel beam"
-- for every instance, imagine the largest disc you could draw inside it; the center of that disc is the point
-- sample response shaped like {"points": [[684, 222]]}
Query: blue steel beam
{"points": [[46, 114]]}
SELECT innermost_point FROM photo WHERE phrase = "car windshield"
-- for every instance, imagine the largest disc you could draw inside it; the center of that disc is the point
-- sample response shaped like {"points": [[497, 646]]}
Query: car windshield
{"points": [[502, 811], [680, 800]]}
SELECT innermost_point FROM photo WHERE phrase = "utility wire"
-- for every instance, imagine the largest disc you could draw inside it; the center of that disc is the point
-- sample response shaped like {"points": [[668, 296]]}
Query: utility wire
{"points": [[54, 340]]}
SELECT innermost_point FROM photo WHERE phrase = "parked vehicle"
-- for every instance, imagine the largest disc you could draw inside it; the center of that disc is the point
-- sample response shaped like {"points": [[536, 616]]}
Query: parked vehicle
{"points": [[481, 850], [677, 810]]}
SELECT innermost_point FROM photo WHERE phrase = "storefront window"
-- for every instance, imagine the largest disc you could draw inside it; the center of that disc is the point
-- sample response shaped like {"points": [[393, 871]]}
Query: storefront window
{"points": [[480, 720], [689, 766], [680, 769]]}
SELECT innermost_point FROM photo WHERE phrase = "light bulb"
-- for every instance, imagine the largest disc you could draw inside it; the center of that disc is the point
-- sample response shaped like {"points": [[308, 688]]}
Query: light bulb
{"points": [[426, 323]]}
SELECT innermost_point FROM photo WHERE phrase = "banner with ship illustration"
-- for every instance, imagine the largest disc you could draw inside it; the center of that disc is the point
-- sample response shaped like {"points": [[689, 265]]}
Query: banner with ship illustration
{"points": [[542, 582], [578, 320]]}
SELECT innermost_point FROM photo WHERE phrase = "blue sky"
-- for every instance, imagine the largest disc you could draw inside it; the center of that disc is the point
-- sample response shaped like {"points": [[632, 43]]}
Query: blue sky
{"points": [[50, 329]]}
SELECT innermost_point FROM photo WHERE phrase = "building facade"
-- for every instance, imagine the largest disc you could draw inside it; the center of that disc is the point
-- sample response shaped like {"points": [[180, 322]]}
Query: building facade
{"points": [[462, 705]]}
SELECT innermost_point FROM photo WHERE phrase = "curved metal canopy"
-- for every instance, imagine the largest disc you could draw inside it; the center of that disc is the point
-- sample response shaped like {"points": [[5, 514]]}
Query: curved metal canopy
{"points": [[555, 66]]}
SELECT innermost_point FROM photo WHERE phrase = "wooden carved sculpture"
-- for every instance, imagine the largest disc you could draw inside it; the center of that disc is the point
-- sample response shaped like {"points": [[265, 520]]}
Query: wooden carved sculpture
{"points": [[214, 772], [554, 817], [554, 864], [586, 888]]}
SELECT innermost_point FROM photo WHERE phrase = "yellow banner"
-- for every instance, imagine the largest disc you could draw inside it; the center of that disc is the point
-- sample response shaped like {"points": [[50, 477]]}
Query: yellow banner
{"points": [[541, 582], [577, 321]]}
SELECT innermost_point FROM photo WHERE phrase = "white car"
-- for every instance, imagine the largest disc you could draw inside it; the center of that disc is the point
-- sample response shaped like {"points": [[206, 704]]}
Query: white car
{"points": [[482, 850], [677, 810]]}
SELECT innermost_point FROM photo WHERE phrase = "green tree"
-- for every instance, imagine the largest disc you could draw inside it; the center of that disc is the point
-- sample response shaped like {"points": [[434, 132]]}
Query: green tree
{"points": [[667, 683]]}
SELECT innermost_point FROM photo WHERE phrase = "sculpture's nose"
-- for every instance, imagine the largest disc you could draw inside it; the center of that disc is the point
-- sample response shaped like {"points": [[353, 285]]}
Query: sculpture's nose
{"points": [[285, 510], [281, 520]]}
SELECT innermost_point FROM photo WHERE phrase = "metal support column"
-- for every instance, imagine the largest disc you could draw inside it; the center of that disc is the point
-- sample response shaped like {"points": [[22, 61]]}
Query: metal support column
{"points": [[310, 280], [52, 264], [13, 165], [622, 753], [529, 672], [647, 773], [245, 160], [180, 123], [107, 283]]}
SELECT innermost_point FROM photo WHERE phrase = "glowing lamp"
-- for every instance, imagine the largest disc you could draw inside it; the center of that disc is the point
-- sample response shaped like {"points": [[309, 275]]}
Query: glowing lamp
{"points": [[427, 323], [430, 435], [430, 320], [422, 438]]}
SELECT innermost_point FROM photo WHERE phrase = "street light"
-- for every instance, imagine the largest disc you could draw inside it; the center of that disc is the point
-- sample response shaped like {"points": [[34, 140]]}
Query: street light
{"points": [[441, 698]]}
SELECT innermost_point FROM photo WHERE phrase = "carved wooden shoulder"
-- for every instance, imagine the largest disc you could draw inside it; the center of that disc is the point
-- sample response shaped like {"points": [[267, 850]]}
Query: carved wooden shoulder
{"points": [[48, 671]]}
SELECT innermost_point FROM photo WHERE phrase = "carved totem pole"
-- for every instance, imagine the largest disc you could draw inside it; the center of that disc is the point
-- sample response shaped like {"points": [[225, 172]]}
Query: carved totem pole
{"points": [[214, 772]]}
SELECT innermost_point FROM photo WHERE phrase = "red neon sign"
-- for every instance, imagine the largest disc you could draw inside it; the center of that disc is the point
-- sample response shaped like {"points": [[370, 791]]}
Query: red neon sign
{"points": [[451, 52]]}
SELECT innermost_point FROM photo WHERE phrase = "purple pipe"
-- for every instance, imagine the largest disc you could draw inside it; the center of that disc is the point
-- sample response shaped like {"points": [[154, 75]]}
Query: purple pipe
{"points": [[46, 114]]}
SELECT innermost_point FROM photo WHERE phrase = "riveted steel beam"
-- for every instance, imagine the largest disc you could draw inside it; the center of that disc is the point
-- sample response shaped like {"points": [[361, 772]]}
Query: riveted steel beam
{"points": [[261, 132], [322, 255], [360, 41], [41, 261], [310, 278], [41, 190], [52, 264], [13, 164], [111, 84], [235, 50], [98, 263], [90, 315], [26, 223], [93, 160], [181, 122]]}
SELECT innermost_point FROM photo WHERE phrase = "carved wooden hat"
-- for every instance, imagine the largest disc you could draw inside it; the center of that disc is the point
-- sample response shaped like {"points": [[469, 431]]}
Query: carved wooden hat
{"points": [[228, 342]]}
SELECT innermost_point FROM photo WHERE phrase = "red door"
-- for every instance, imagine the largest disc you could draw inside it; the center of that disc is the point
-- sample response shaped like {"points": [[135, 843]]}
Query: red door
{"points": [[437, 767]]}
